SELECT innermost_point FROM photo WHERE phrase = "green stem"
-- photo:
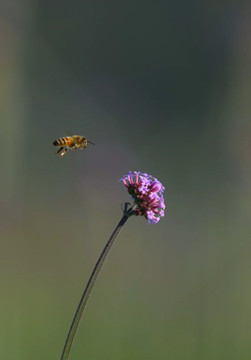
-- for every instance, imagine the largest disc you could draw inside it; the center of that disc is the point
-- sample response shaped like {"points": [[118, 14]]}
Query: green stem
{"points": [[90, 284]]}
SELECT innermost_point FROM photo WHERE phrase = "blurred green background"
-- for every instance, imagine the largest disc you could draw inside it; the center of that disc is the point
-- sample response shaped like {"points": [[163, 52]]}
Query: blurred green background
{"points": [[160, 87]]}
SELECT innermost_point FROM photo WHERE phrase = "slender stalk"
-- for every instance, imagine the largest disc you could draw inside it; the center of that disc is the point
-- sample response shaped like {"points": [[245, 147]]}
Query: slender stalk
{"points": [[91, 282]]}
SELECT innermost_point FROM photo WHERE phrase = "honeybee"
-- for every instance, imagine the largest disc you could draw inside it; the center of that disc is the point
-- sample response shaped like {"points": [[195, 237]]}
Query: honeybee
{"points": [[73, 142]]}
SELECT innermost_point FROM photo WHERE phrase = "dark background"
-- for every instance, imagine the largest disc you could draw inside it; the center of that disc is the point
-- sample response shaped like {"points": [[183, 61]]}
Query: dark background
{"points": [[161, 87]]}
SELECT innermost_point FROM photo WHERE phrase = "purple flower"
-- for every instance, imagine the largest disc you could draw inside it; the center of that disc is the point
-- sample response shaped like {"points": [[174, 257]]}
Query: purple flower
{"points": [[147, 193]]}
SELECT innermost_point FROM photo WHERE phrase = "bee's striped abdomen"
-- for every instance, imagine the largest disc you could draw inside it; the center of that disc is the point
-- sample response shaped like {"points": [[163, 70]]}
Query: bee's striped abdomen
{"points": [[63, 141]]}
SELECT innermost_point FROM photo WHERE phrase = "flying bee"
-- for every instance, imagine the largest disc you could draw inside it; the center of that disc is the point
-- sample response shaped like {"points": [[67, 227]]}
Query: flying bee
{"points": [[73, 142]]}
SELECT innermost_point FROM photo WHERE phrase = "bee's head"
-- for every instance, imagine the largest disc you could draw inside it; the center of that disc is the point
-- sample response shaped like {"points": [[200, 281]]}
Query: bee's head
{"points": [[84, 142]]}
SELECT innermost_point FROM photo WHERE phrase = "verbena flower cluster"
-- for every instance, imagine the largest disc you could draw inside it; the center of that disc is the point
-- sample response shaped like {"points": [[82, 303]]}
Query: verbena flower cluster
{"points": [[147, 193]]}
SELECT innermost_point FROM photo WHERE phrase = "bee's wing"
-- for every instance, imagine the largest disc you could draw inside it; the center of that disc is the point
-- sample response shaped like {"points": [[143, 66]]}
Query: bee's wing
{"points": [[68, 133]]}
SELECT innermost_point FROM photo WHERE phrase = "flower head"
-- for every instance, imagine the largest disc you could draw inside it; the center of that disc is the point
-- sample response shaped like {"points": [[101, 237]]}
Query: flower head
{"points": [[147, 193]]}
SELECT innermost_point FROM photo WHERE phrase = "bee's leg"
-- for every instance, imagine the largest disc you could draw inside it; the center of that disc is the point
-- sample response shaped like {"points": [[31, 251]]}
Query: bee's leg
{"points": [[63, 152], [59, 150]]}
